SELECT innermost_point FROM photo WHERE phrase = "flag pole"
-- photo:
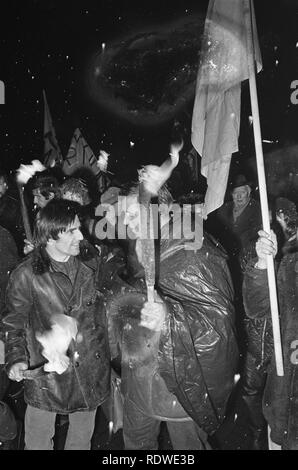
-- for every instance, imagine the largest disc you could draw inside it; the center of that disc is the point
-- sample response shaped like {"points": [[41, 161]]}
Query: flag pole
{"points": [[147, 240], [24, 213], [262, 186]]}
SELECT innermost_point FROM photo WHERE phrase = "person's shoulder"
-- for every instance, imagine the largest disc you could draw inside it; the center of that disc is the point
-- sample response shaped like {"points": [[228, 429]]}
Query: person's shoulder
{"points": [[23, 269], [25, 263], [5, 235], [254, 204], [212, 246], [225, 207], [224, 212], [290, 256], [11, 199]]}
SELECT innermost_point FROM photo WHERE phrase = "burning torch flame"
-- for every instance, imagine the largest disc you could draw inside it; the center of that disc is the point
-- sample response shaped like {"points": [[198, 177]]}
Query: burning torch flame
{"points": [[25, 172], [154, 176], [56, 341], [103, 160]]}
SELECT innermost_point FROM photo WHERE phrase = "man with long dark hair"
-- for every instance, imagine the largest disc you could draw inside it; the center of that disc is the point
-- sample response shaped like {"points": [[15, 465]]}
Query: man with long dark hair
{"points": [[55, 311]]}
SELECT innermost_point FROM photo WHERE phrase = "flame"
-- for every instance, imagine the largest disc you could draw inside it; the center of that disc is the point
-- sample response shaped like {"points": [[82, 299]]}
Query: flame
{"points": [[236, 378], [103, 160], [154, 176], [25, 172], [56, 341]]}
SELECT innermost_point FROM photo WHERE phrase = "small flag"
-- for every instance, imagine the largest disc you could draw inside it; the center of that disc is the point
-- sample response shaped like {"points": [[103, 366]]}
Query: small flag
{"points": [[80, 155], [52, 155]]}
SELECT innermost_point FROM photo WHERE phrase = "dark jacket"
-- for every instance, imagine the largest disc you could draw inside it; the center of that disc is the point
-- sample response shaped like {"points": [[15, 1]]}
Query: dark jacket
{"points": [[35, 293], [8, 260], [257, 321], [11, 218], [195, 356], [235, 236], [280, 397]]}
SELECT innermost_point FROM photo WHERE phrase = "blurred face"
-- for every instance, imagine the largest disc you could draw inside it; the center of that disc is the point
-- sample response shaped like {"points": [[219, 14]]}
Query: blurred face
{"points": [[40, 200], [241, 196], [281, 220], [3, 186], [67, 244], [69, 196], [132, 219], [132, 213]]}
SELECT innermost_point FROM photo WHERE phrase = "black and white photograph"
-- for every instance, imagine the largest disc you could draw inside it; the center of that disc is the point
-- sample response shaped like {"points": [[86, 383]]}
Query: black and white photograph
{"points": [[149, 228]]}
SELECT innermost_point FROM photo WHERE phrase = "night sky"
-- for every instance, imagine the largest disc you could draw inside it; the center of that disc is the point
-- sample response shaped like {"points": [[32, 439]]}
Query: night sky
{"points": [[50, 45]]}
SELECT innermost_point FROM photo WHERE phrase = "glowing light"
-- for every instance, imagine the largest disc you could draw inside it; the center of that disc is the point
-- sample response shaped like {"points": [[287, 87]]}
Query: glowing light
{"points": [[236, 378], [103, 160], [25, 172], [111, 425]]}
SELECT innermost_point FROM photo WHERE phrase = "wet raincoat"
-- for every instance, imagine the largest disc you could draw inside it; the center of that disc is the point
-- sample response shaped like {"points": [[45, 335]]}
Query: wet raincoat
{"points": [[187, 369], [280, 396]]}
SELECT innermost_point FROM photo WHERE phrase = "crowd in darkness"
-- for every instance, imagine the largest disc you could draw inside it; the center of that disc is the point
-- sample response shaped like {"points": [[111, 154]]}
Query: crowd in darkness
{"points": [[77, 319]]}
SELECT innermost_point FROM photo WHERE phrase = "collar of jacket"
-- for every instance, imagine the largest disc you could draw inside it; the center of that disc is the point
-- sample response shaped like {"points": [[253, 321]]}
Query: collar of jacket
{"points": [[41, 261]]}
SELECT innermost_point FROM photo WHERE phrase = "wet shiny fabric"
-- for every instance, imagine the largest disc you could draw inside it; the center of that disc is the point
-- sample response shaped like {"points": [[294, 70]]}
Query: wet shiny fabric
{"points": [[197, 354]]}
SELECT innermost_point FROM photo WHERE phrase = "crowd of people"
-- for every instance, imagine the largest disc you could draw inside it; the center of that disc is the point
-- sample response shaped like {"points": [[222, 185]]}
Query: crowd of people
{"points": [[75, 313]]}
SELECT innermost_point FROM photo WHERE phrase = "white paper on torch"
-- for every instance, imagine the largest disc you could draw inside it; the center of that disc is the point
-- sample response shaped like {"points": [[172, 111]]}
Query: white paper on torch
{"points": [[25, 172], [154, 177], [103, 160], [56, 341]]}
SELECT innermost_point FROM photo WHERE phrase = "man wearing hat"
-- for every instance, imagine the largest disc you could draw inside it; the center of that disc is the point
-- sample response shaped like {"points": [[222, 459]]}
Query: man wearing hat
{"points": [[236, 225], [240, 219]]}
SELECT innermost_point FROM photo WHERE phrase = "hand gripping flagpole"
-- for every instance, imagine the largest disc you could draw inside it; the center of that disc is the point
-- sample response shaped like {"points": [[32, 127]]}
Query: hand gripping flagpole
{"points": [[262, 187]]}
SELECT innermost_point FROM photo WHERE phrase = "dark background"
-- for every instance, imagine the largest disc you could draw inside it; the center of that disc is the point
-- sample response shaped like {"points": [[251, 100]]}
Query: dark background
{"points": [[48, 44]]}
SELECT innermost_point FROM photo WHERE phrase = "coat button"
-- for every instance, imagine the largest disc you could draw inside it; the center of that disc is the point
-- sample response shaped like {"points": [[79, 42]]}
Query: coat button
{"points": [[97, 355], [89, 303]]}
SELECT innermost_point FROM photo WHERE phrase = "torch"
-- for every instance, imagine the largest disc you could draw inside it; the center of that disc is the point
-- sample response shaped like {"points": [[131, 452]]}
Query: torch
{"points": [[24, 173], [55, 343], [102, 164], [151, 178]]}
